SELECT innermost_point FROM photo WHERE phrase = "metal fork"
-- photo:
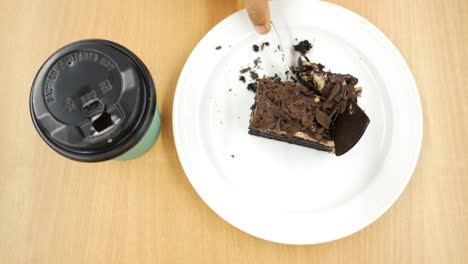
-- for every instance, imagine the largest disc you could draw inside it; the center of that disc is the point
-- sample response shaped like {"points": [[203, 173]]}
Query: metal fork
{"points": [[283, 54]]}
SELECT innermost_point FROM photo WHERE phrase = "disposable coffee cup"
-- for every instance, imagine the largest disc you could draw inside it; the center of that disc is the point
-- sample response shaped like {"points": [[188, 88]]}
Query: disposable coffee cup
{"points": [[95, 100]]}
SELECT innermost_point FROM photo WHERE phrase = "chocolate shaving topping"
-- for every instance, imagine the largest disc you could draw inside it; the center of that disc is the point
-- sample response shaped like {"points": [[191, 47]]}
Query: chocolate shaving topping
{"points": [[323, 118], [242, 79], [289, 107], [252, 87], [334, 92]]}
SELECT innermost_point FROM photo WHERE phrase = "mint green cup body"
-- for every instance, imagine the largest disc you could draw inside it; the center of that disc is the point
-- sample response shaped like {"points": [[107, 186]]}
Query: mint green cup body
{"points": [[146, 142], [95, 100]]}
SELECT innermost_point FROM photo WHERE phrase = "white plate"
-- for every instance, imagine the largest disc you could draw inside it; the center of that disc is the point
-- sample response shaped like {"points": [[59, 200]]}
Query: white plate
{"points": [[282, 192]]}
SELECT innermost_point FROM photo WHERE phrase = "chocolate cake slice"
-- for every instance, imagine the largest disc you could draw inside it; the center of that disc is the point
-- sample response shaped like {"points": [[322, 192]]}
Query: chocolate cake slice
{"points": [[307, 111]]}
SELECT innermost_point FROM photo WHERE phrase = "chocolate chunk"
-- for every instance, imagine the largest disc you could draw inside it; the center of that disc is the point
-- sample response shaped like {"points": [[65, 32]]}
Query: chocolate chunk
{"points": [[242, 79], [218, 47], [323, 118], [255, 48], [242, 71], [349, 128], [303, 47]]}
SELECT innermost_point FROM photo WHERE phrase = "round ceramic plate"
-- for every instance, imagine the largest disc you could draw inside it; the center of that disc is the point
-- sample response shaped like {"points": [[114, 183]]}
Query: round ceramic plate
{"points": [[278, 191]]}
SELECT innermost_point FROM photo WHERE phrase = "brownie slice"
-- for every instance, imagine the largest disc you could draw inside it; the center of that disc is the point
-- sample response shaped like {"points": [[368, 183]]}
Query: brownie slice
{"points": [[304, 113]]}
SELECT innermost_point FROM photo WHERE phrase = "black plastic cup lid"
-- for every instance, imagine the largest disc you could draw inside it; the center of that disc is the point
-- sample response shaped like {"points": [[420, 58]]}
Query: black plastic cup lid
{"points": [[92, 100]]}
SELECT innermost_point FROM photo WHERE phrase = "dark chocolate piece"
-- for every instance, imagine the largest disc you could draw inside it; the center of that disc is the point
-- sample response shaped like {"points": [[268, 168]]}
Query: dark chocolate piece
{"points": [[303, 47], [242, 79], [218, 48], [349, 128]]}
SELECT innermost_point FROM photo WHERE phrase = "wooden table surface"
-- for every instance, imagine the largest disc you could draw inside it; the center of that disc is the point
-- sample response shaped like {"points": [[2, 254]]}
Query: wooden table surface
{"points": [[53, 210]]}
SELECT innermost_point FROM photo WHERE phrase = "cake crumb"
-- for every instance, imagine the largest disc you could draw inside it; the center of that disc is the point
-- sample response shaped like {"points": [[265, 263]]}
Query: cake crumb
{"points": [[244, 70], [257, 62], [255, 48], [303, 47], [253, 75], [252, 87]]}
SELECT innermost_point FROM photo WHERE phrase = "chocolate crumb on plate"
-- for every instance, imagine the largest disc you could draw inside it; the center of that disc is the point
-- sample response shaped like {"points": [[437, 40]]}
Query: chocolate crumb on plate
{"points": [[232, 156], [252, 87], [303, 47], [253, 75], [255, 48], [257, 62], [242, 79], [265, 44], [218, 47], [242, 71]]}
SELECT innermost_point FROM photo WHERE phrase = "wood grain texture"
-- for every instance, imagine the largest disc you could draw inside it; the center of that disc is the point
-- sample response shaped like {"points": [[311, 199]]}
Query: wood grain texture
{"points": [[53, 210]]}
